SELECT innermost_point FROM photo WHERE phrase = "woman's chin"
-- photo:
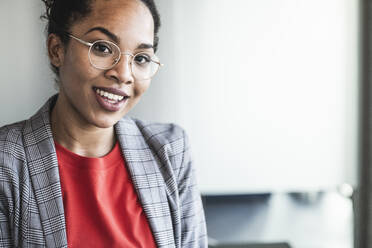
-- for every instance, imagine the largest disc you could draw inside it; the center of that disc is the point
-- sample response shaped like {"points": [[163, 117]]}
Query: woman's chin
{"points": [[105, 123]]}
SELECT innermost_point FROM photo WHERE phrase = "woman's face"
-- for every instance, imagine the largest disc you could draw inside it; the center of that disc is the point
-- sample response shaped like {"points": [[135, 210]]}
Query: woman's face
{"points": [[130, 25]]}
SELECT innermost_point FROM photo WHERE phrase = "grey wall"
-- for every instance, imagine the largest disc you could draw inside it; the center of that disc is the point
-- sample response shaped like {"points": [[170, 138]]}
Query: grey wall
{"points": [[248, 129], [267, 91], [25, 79]]}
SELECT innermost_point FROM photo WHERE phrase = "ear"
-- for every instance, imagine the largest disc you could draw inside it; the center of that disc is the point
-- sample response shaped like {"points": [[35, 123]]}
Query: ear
{"points": [[56, 50]]}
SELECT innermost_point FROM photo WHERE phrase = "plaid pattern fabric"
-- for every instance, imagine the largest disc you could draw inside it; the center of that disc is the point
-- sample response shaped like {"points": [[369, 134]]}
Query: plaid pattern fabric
{"points": [[158, 159]]}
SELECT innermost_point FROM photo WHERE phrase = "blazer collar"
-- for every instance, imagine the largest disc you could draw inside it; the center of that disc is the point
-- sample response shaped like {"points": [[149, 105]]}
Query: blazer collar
{"points": [[143, 166]]}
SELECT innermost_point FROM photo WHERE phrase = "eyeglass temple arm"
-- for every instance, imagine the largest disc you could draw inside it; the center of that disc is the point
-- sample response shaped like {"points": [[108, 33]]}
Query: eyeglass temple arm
{"points": [[80, 40]]}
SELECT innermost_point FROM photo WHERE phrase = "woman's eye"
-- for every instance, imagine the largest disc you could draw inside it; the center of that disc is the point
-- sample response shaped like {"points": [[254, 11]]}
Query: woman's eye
{"points": [[102, 48], [142, 59]]}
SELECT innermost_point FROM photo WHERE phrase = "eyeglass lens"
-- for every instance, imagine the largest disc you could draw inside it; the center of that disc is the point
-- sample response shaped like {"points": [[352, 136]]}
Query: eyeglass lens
{"points": [[105, 55]]}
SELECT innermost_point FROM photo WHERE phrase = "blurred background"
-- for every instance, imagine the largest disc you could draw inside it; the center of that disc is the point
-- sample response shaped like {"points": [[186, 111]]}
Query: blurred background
{"points": [[270, 93]]}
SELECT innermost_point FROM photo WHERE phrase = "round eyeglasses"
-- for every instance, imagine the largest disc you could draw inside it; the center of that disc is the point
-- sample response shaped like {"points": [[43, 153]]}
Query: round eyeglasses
{"points": [[104, 55]]}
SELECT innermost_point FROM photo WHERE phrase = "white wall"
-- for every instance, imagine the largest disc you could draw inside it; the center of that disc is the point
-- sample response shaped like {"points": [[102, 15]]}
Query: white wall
{"points": [[26, 81], [266, 89]]}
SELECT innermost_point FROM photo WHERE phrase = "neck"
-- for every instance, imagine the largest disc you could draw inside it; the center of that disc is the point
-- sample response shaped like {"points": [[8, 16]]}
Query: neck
{"points": [[84, 139]]}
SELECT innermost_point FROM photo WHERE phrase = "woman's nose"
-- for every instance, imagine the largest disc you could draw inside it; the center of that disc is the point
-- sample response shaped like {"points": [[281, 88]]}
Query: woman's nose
{"points": [[122, 71]]}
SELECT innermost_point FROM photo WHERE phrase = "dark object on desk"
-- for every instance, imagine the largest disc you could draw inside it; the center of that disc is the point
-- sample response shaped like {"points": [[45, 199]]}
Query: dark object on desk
{"points": [[268, 245], [245, 215], [307, 198], [236, 199], [280, 217]]}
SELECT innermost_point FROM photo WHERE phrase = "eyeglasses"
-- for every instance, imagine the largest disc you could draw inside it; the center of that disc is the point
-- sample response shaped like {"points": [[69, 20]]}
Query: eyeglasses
{"points": [[104, 55]]}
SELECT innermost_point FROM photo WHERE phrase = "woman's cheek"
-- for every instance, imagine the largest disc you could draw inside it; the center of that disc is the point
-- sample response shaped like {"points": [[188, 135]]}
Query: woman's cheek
{"points": [[142, 87]]}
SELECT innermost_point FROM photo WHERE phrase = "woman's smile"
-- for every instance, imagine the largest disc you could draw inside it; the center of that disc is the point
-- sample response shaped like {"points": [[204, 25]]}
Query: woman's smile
{"points": [[110, 99]]}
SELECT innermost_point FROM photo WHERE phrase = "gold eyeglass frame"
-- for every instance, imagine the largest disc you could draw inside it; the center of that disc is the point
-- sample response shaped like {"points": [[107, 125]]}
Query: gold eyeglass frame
{"points": [[90, 45]]}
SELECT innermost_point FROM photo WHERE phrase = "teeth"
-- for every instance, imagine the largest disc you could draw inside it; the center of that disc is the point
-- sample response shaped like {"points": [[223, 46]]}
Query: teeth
{"points": [[111, 97]]}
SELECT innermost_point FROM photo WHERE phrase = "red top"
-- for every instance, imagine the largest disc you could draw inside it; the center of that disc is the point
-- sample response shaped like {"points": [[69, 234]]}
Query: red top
{"points": [[101, 206]]}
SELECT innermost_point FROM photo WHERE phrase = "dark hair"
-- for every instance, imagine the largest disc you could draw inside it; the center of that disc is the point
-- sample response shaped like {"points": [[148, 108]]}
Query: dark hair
{"points": [[61, 14]]}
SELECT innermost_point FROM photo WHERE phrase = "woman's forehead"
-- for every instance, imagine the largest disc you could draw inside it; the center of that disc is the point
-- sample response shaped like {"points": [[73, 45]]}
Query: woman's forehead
{"points": [[122, 18], [102, 9]]}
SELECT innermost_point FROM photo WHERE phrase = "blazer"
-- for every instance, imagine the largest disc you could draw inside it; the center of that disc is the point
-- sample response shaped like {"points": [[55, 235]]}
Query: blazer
{"points": [[158, 161]]}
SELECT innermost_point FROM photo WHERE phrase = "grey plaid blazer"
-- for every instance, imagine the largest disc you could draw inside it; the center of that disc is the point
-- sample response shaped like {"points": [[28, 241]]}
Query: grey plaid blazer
{"points": [[158, 159]]}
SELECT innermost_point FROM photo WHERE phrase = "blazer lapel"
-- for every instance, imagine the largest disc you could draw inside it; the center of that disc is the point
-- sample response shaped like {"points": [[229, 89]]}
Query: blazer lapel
{"points": [[43, 166], [143, 167]]}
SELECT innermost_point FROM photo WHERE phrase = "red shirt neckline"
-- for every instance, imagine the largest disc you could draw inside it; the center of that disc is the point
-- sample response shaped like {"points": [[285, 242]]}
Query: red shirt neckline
{"points": [[106, 162]]}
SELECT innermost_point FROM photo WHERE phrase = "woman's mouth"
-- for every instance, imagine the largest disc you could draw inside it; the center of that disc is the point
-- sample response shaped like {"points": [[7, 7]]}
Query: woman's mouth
{"points": [[110, 99]]}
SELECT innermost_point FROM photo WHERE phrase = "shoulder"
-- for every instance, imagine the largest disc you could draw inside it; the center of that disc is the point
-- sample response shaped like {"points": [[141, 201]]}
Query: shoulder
{"points": [[161, 133], [167, 141], [11, 142], [13, 166], [12, 136], [160, 136], [15, 128]]}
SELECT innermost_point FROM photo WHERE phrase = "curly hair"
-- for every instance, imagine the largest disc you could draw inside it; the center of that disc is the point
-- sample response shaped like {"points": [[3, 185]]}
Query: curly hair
{"points": [[61, 14]]}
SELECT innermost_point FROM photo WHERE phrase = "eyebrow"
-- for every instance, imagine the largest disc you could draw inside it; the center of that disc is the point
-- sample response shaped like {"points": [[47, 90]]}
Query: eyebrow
{"points": [[145, 46], [106, 32], [116, 38]]}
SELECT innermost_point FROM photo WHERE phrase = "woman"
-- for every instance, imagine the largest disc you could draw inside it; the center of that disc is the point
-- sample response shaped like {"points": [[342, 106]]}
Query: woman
{"points": [[81, 174]]}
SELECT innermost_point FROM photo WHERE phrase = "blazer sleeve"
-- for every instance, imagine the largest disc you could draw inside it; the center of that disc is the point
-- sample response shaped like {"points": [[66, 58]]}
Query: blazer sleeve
{"points": [[193, 224], [5, 231]]}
